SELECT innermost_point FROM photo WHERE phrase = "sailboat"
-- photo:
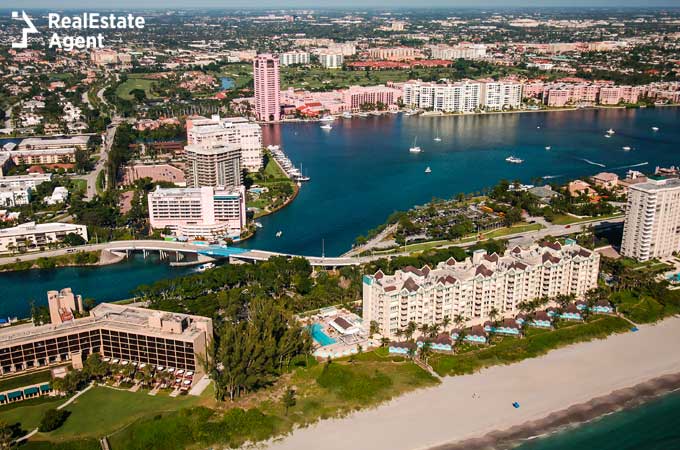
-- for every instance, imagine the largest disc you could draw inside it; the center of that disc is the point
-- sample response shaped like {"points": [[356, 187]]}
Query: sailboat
{"points": [[415, 148], [428, 170]]}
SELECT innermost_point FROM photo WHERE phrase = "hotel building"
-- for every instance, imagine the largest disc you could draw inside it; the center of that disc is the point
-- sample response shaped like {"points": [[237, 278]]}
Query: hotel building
{"points": [[213, 163], [115, 331], [206, 212], [267, 88], [34, 236], [472, 288], [76, 142], [652, 226], [290, 58], [355, 96], [237, 131]]}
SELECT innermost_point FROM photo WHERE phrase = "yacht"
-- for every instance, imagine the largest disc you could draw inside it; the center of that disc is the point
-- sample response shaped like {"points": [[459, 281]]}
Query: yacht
{"points": [[415, 148], [326, 127], [626, 148], [258, 224], [610, 131], [514, 160], [206, 266], [428, 170], [362, 114], [347, 115], [327, 118], [655, 128], [548, 147], [279, 233]]}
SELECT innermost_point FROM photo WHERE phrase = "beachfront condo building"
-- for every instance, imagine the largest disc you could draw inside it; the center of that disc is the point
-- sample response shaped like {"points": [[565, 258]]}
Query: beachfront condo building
{"points": [[460, 51], [213, 163], [126, 333], [291, 58], [355, 97], [230, 130], [35, 236], [500, 95], [331, 60], [474, 287], [652, 226], [267, 88], [205, 212]]}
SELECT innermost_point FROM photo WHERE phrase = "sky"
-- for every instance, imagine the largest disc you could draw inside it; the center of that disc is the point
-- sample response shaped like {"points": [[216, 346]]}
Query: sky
{"points": [[328, 4]]}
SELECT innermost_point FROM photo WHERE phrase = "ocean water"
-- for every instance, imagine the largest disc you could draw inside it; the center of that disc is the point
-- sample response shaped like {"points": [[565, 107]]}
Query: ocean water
{"points": [[654, 425]]}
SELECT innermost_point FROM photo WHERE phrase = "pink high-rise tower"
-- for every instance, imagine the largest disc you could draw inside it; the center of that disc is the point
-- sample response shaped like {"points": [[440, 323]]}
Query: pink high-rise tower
{"points": [[267, 88]]}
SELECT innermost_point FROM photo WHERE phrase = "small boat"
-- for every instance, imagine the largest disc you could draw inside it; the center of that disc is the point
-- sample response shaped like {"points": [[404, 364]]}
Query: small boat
{"points": [[258, 224], [428, 170], [437, 138], [347, 115], [607, 135], [610, 131], [547, 147], [626, 148], [514, 160], [279, 233], [538, 127], [326, 127], [415, 148], [206, 266], [327, 118], [655, 128]]}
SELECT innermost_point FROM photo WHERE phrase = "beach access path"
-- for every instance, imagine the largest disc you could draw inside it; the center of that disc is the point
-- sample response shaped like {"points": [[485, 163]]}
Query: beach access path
{"points": [[471, 406]]}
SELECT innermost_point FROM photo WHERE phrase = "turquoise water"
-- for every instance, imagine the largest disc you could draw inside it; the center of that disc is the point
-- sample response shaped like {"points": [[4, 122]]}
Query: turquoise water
{"points": [[652, 426], [226, 82], [674, 277], [107, 283], [316, 330]]}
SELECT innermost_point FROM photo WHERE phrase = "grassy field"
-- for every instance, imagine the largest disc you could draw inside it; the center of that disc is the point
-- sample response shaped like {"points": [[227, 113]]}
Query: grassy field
{"points": [[124, 90], [537, 344], [28, 412], [322, 391], [568, 220], [42, 376]]}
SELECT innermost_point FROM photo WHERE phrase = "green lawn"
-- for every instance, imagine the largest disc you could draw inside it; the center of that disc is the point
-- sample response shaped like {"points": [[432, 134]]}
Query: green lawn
{"points": [[565, 219], [28, 412], [25, 380], [123, 90], [536, 344], [102, 411]]}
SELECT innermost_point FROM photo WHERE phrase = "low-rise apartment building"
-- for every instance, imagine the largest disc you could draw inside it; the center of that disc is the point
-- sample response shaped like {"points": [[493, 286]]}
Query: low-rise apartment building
{"points": [[476, 286], [30, 235], [126, 333], [205, 212]]}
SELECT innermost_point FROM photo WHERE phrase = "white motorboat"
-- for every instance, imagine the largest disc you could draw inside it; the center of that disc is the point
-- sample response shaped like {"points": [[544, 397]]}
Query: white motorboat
{"points": [[655, 128], [625, 148], [547, 147], [206, 266], [279, 233], [347, 115], [610, 131], [514, 160], [327, 118], [326, 127]]}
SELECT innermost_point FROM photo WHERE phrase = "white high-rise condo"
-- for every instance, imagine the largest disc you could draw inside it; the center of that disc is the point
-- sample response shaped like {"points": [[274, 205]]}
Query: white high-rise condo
{"points": [[230, 130], [476, 286], [267, 88], [652, 227]]}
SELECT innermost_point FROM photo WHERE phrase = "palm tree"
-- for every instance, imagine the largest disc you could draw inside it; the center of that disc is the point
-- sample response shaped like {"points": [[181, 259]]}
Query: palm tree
{"points": [[384, 342], [424, 329], [425, 352], [459, 321], [446, 322], [410, 329]]}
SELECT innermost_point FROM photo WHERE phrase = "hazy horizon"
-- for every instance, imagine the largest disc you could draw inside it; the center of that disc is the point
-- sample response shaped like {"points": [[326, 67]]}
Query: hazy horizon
{"points": [[337, 4]]}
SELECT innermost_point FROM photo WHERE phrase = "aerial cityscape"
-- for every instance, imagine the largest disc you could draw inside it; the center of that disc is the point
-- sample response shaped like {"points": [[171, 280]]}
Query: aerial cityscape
{"points": [[295, 225]]}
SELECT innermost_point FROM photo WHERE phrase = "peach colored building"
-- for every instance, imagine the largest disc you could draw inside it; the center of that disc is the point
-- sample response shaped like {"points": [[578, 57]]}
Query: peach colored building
{"points": [[267, 88], [395, 53], [578, 187], [606, 180], [63, 305], [356, 96]]}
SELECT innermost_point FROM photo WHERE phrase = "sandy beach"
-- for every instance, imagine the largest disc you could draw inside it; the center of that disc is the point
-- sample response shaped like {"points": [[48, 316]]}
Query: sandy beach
{"points": [[581, 380]]}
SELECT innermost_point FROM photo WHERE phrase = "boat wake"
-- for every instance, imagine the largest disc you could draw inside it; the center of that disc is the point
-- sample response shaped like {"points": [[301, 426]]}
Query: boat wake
{"points": [[593, 162], [550, 177], [633, 165]]}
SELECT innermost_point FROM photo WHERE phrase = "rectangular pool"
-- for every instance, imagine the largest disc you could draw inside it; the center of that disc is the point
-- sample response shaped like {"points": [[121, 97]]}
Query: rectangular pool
{"points": [[316, 330]]}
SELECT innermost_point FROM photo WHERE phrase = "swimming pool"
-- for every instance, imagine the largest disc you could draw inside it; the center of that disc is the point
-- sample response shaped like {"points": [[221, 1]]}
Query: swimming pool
{"points": [[674, 277], [316, 330]]}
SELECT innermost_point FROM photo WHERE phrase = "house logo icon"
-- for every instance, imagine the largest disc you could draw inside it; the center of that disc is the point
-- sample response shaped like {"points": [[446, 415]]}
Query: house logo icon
{"points": [[29, 28]]}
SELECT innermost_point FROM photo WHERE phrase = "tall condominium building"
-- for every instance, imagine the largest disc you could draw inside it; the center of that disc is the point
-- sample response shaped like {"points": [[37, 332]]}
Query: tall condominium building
{"points": [[331, 60], [501, 95], [290, 58], [652, 226], [464, 96], [64, 305], [213, 163], [127, 333], [230, 130], [267, 88], [460, 51], [472, 288], [206, 212]]}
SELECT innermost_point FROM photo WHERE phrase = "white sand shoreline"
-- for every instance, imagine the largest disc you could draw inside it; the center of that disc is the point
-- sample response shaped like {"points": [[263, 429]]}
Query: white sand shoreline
{"points": [[448, 413]]}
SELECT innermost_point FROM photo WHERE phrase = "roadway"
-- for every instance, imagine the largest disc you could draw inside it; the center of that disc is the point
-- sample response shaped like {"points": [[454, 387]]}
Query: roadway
{"points": [[252, 255]]}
